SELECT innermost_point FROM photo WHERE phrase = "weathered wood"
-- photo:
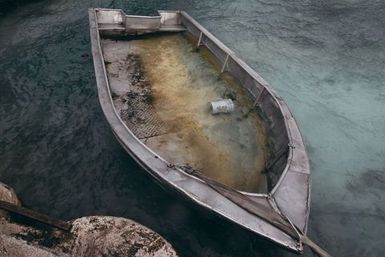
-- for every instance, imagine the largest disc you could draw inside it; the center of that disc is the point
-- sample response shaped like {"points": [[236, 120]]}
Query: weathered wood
{"points": [[36, 216]]}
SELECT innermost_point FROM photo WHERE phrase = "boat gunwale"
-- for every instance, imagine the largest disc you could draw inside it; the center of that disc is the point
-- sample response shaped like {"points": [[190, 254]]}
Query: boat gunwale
{"points": [[272, 93], [291, 128], [262, 82]]}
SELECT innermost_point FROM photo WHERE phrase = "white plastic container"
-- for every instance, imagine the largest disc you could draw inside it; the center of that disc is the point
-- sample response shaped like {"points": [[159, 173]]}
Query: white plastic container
{"points": [[222, 106]]}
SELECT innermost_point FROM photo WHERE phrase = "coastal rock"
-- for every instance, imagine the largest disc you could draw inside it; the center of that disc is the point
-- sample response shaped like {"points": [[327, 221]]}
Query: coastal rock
{"points": [[7, 194], [89, 236], [112, 236]]}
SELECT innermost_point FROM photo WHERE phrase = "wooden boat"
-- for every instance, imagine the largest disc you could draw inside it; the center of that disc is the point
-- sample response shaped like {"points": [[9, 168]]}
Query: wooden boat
{"points": [[155, 76]]}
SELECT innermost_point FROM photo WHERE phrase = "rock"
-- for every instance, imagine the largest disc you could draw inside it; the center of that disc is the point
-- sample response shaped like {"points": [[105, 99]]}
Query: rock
{"points": [[7, 194], [89, 236], [112, 236], [13, 247]]}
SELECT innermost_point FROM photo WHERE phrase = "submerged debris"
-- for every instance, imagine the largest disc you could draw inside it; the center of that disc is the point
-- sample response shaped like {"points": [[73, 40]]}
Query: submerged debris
{"points": [[222, 106]]}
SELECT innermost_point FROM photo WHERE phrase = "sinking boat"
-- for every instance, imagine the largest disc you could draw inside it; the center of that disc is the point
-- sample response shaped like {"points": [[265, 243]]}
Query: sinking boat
{"points": [[156, 76]]}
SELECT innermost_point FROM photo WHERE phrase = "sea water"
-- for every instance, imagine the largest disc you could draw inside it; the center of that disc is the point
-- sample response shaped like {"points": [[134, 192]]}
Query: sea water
{"points": [[325, 58]]}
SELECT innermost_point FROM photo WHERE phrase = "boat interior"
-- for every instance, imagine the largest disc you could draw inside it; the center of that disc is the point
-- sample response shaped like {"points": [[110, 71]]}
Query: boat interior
{"points": [[162, 85], [162, 82], [156, 77]]}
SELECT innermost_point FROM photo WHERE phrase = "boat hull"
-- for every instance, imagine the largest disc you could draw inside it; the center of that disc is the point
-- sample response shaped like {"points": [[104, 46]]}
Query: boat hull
{"points": [[289, 170]]}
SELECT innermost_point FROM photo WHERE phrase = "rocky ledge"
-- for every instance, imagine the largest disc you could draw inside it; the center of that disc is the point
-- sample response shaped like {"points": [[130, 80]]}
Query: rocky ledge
{"points": [[89, 236]]}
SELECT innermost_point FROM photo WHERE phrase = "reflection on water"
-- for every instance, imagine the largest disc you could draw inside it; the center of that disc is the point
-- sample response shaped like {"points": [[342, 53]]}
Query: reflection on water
{"points": [[325, 58]]}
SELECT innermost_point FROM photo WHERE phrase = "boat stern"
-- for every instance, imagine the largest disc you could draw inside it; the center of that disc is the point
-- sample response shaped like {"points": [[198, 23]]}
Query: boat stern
{"points": [[116, 22]]}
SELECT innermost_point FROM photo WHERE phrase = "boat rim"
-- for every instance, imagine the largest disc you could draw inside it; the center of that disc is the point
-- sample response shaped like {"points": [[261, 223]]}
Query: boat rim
{"points": [[299, 145]]}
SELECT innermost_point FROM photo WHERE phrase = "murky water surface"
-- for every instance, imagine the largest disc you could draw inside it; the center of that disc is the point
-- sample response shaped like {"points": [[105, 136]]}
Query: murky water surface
{"points": [[325, 58]]}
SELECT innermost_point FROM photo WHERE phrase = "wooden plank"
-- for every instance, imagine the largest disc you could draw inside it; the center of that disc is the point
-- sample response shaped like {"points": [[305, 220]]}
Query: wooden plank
{"points": [[30, 214]]}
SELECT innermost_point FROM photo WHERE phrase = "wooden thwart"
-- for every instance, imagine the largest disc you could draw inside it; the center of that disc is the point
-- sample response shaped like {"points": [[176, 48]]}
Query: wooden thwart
{"points": [[33, 215]]}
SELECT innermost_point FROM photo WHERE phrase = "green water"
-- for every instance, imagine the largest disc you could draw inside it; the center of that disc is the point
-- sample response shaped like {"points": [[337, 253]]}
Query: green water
{"points": [[326, 59]]}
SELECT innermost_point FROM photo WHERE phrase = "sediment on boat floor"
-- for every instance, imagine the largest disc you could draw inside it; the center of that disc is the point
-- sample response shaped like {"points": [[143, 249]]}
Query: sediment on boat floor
{"points": [[162, 86]]}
